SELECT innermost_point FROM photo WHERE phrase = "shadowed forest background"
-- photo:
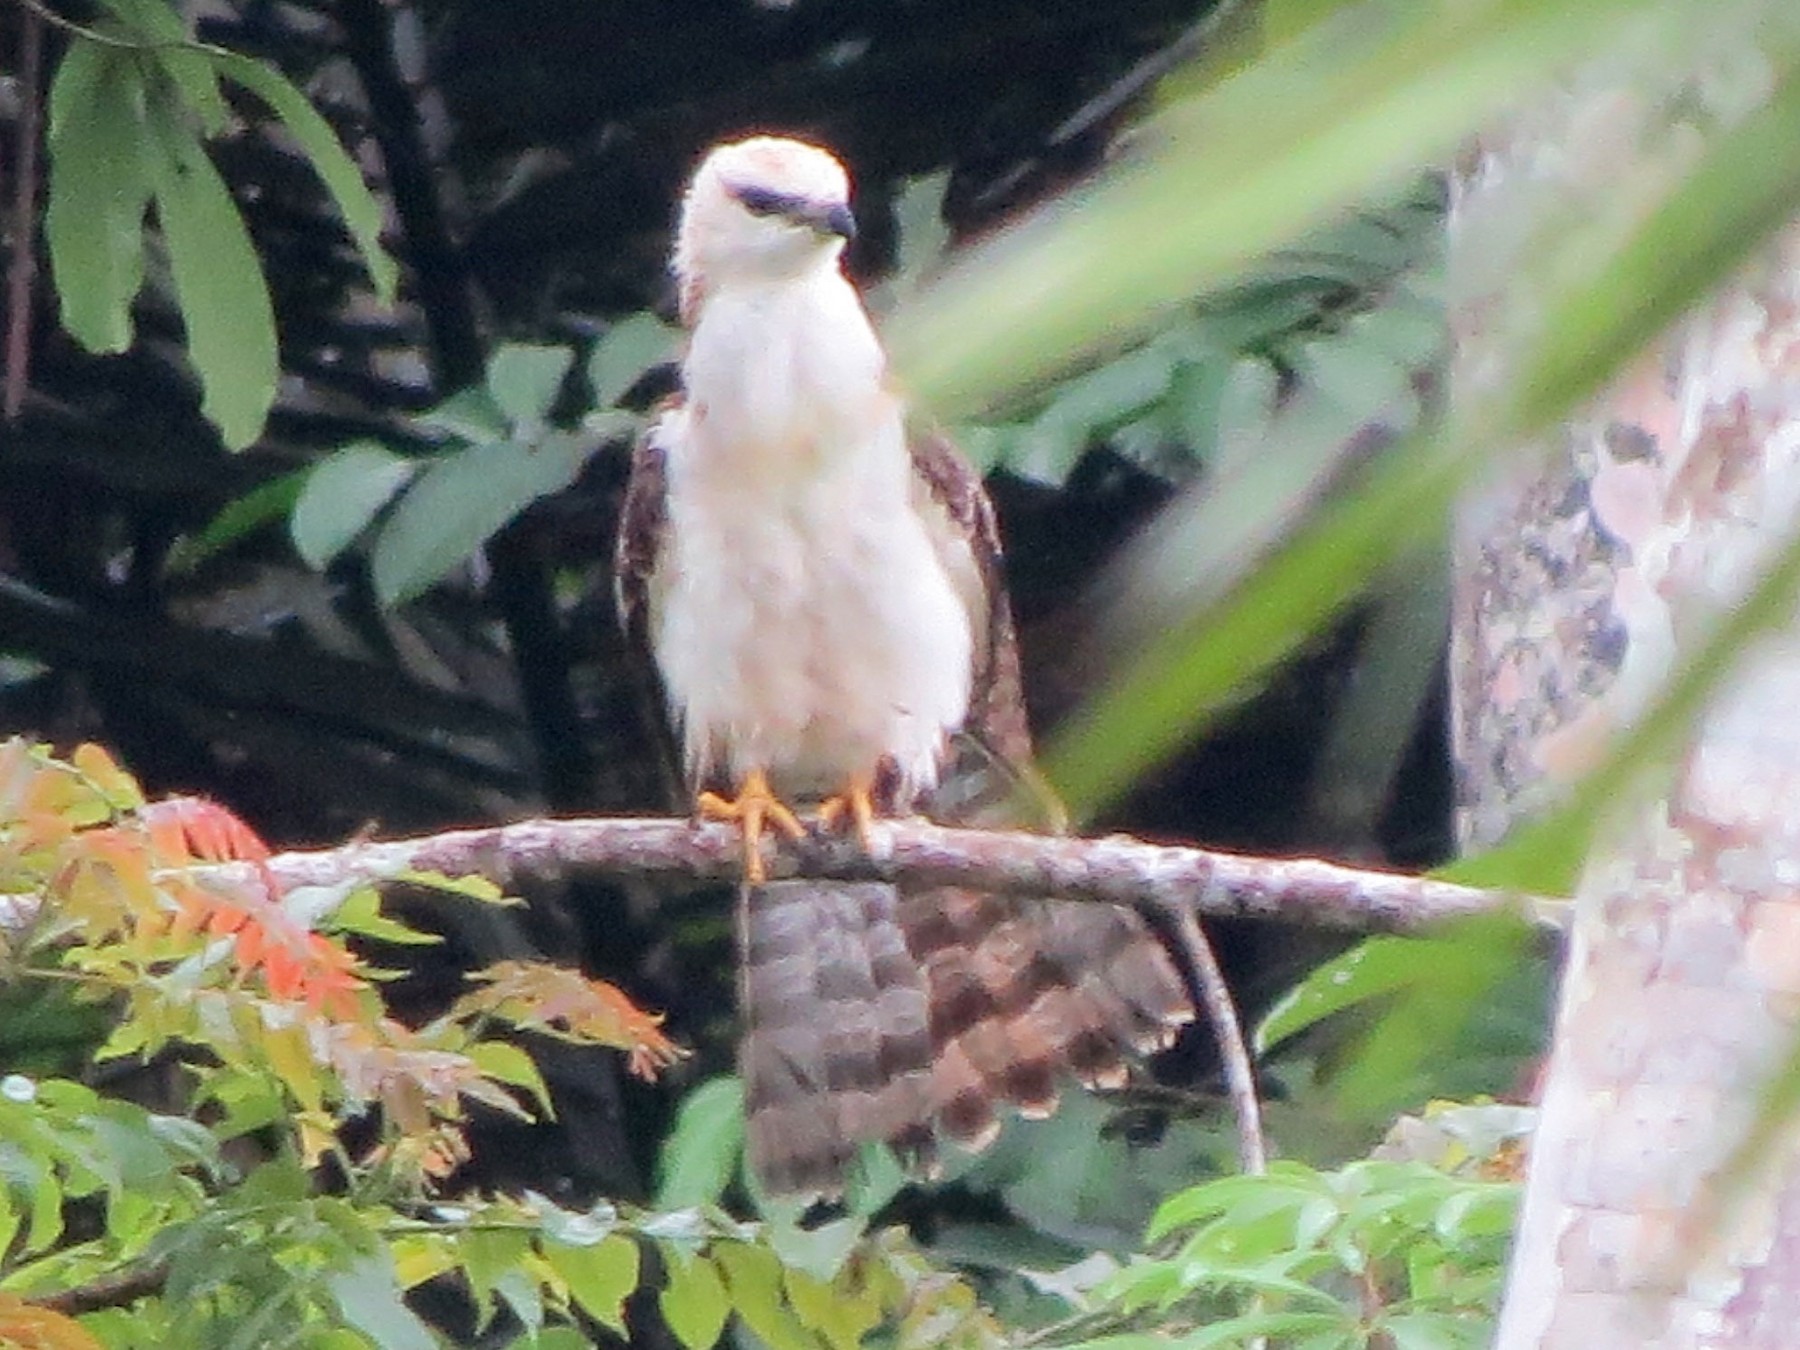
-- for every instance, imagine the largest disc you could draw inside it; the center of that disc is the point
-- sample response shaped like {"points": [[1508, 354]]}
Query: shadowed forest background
{"points": [[340, 562], [530, 180]]}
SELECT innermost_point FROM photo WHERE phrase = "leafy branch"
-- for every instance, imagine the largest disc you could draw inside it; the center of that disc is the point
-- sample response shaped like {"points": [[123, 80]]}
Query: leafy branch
{"points": [[301, 1190], [131, 108]]}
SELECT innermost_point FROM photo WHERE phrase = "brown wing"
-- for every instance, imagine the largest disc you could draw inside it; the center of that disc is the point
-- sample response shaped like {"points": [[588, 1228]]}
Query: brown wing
{"points": [[1019, 991], [992, 752], [638, 547]]}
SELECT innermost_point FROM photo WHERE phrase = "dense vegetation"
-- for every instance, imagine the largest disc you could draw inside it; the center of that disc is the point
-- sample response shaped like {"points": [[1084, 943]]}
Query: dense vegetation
{"points": [[408, 260]]}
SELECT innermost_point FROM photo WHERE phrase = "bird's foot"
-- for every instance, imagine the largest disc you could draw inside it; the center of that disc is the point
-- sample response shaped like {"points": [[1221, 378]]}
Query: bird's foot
{"points": [[854, 806], [755, 807]]}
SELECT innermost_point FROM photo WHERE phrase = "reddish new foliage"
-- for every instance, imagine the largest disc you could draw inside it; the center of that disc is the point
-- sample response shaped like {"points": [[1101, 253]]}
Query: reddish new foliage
{"points": [[293, 962], [566, 1003]]}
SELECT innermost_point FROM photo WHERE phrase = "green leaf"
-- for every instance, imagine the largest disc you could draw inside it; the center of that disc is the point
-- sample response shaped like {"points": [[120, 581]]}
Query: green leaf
{"points": [[923, 235], [753, 1277], [1294, 1182], [1244, 1330], [11, 1216], [1486, 1209], [1436, 1331], [693, 1302], [523, 380], [146, 21], [843, 1317], [471, 887], [523, 1295], [99, 188], [819, 1251], [1256, 1230], [987, 446], [343, 493], [31, 1190], [700, 1155], [272, 501], [1359, 379], [224, 301], [512, 1066], [357, 205], [874, 1179], [1409, 332], [553, 1338], [628, 349], [489, 1257], [1247, 404], [1111, 393], [45, 1203], [187, 1141], [368, 1295], [1047, 450], [1433, 985], [1272, 1282], [460, 501], [190, 76], [600, 1277], [360, 913], [1372, 968], [468, 415]]}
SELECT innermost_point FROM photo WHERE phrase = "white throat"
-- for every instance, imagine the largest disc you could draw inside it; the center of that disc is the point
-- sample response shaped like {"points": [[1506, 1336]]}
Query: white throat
{"points": [[792, 367]]}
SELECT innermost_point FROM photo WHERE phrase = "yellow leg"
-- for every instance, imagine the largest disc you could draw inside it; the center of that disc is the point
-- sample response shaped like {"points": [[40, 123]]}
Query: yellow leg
{"points": [[755, 806], [854, 804]]}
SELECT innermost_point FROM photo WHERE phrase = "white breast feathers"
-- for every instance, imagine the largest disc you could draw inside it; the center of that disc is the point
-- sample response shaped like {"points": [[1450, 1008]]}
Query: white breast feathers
{"points": [[803, 621]]}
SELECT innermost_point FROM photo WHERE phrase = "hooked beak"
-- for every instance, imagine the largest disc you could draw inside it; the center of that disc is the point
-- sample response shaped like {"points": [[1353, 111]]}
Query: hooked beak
{"points": [[836, 220]]}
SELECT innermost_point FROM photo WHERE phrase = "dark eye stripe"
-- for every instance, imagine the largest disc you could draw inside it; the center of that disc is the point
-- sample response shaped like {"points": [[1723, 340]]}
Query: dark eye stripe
{"points": [[762, 201]]}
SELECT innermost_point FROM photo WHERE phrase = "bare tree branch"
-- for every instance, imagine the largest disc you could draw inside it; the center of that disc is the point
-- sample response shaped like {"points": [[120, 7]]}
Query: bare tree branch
{"points": [[1211, 992], [114, 1289], [1116, 869]]}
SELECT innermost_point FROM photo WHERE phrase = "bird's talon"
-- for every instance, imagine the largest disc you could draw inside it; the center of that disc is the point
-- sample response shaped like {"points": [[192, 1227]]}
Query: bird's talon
{"points": [[755, 808], [855, 805]]}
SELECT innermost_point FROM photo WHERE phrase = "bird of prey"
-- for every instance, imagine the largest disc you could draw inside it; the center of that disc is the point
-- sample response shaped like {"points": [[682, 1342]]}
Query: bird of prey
{"points": [[819, 583]]}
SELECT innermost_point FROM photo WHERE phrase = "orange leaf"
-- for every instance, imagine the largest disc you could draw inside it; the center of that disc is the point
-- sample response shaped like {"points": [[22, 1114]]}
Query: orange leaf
{"points": [[283, 973], [103, 772], [184, 828], [565, 1003], [225, 918], [24, 1326]]}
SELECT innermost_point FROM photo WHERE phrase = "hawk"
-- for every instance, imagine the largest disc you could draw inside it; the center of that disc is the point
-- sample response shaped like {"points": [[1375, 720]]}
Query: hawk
{"points": [[820, 586]]}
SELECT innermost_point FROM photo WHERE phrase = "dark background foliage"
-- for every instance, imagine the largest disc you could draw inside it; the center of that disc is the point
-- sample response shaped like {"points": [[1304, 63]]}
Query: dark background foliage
{"points": [[529, 155]]}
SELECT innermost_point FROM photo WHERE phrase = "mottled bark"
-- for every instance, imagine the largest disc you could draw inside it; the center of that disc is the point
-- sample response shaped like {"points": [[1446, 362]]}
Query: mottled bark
{"points": [[1114, 870], [1581, 583]]}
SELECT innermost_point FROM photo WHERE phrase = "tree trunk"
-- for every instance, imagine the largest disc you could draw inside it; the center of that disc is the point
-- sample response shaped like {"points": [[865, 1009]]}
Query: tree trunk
{"points": [[1580, 583]]}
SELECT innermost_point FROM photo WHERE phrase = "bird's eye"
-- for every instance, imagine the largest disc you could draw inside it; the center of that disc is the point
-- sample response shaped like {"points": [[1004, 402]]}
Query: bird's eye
{"points": [[762, 201]]}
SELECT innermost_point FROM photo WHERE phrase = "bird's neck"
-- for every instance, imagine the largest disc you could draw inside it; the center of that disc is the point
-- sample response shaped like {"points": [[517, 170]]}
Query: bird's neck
{"points": [[788, 369]]}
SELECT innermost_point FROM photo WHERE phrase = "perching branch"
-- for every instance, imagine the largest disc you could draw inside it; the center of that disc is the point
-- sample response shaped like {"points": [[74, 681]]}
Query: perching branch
{"points": [[1116, 869], [1173, 885]]}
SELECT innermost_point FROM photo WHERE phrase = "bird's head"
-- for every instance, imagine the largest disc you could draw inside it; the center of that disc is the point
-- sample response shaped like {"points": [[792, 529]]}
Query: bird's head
{"points": [[763, 209]]}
